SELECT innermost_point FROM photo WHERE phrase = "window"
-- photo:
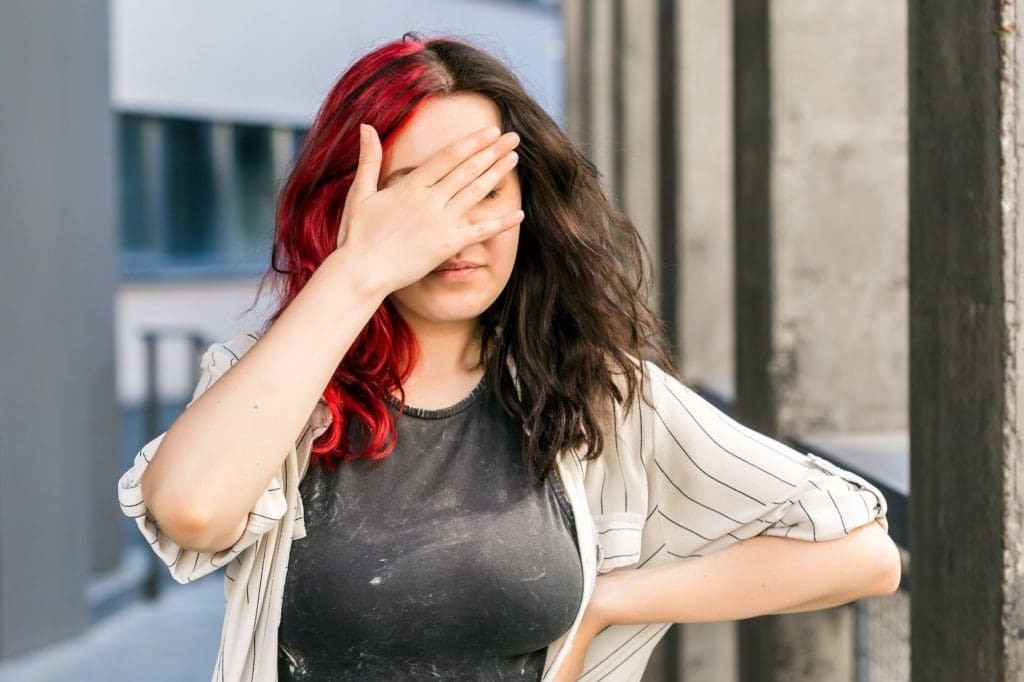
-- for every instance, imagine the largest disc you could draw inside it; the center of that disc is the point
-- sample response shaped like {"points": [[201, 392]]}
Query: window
{"points": [[199, 197]]}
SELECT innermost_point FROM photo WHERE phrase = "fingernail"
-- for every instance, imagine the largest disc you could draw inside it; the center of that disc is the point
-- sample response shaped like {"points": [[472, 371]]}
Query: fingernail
{"points": [[363, 130], [493, 132]]}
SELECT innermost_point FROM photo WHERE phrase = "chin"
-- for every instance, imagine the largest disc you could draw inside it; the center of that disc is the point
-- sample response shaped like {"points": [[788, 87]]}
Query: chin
{"points": [[445, 306], [444, 302], [450, 313]]}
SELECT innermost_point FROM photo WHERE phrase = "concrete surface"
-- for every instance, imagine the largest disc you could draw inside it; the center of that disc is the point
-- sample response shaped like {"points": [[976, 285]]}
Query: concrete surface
{"points": [[173, 639]]}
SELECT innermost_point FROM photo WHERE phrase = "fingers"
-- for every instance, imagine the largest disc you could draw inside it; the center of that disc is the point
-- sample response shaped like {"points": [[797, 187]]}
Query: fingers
{"points": [[485, 229], [471, 169], [368, 171], [450, 156], [472, 193]]}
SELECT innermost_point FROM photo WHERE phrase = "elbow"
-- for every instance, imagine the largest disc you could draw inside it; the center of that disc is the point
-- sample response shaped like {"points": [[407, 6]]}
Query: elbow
{"points": [[183, 530], [198, 533], [175, 520], [208, 541], [179, 519], [195, 534], [890, 566]]}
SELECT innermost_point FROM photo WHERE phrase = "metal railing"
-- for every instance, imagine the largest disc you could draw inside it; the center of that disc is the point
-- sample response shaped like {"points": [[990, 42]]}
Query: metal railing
{"points": [[153, 339]]}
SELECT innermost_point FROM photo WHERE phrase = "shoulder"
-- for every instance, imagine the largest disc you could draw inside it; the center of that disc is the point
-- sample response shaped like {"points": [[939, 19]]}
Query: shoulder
{"points": [[654, 383]]}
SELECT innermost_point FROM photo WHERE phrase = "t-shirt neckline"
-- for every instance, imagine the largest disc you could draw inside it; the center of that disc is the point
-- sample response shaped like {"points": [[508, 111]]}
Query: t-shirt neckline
{"points": [[441, 412]]}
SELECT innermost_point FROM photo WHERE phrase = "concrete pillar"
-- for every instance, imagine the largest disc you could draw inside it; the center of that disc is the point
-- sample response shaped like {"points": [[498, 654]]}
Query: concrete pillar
{"points": [[636, 174], [966, 271], [59, 519], [576, 41], [704, 300], [613, 114], [705, 253], [820, 209], [603, 134]]}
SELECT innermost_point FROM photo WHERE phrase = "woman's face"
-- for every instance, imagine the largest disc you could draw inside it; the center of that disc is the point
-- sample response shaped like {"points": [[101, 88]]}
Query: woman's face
{"points": [[434, 298]]}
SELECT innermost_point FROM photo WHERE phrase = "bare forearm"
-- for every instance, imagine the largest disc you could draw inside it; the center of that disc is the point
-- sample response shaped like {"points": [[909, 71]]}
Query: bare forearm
{"points": [[759, 576], [220, 454]]}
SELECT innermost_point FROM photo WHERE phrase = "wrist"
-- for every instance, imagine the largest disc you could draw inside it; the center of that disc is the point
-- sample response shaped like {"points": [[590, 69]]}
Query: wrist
{"points": [[601, 610], [358, 276]]}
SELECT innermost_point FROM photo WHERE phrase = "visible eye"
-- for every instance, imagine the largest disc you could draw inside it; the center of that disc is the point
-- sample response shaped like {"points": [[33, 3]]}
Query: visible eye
{"points": [[492, 194]]}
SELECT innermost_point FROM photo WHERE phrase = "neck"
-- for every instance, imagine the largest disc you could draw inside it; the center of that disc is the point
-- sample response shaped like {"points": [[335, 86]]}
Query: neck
{"points": [[448, 348]]}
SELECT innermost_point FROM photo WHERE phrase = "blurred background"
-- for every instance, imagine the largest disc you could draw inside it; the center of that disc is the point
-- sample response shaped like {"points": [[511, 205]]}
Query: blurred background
{"points": [[829, 192]]}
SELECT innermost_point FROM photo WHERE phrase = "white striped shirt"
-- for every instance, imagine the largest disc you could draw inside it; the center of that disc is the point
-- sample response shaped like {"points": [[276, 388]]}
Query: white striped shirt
{"points": [[677, 481]]}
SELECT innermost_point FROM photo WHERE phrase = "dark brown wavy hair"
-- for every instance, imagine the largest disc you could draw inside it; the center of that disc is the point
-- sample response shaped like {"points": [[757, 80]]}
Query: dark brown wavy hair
{"points": [[573, 318]]}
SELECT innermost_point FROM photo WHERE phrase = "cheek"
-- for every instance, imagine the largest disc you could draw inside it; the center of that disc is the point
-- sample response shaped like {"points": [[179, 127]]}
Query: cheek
{"points": [[502, 254], [502, 247]]}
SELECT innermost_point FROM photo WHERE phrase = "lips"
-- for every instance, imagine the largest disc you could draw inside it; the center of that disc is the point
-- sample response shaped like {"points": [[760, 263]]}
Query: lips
{"points": [[456, 273], [457, 265]]}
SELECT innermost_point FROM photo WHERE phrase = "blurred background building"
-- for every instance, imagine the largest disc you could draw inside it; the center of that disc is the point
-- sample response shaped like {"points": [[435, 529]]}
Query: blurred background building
{"points": [[830, 192]]}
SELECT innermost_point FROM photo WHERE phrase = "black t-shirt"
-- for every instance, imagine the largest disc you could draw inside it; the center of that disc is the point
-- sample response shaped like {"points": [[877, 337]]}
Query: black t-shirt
{"points": [[438, 562]]}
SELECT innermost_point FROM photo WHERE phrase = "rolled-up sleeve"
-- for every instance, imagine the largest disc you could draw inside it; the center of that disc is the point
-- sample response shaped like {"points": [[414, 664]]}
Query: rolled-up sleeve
{"points": [[186, 565], [716, 481]]}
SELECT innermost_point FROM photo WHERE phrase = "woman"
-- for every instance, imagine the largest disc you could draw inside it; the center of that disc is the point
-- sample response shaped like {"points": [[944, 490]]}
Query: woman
{"points": [[501, 475]]}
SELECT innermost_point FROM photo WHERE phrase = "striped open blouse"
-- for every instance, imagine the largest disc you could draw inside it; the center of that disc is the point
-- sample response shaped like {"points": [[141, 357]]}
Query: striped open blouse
{"points": [[679, 479]]}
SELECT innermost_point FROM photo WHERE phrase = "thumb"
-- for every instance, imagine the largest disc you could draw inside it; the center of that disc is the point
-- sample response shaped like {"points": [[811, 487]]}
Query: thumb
{"points": [[368, 171]]}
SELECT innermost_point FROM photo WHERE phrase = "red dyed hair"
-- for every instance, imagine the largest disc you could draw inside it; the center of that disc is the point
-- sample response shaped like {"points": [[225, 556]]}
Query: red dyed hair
{"points": [[385, 89]]}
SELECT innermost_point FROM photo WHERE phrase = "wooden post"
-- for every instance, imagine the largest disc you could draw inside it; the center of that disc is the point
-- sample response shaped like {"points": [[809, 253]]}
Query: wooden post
{"points": [[967, 489]]}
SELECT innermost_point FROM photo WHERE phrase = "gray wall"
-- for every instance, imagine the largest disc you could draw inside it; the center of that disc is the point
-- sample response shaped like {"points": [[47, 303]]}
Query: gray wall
{"points": [[59, 521]]}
